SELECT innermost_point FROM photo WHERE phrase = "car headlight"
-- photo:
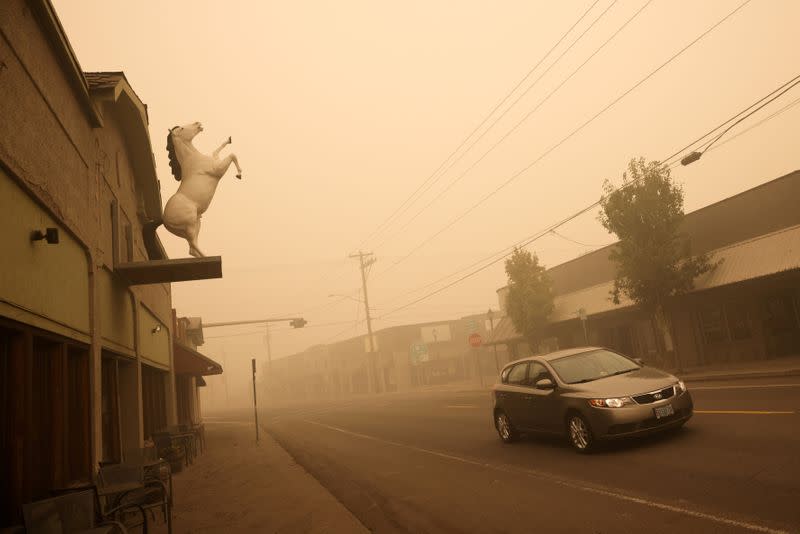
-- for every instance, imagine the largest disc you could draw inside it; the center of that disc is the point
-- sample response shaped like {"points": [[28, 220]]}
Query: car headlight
{"points": [[614, 402], [680, 387]]}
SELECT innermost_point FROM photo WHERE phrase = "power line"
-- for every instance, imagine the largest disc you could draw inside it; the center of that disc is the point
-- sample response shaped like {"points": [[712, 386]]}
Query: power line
{"points": [[667, 160], [517, 174], [525, 117], [726, 130], [565, 238], [541, 233], [551, 229], [411, 199], [784, 109]]}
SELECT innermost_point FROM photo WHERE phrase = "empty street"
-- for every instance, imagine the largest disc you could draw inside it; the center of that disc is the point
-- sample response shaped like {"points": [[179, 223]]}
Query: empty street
{"points": [[432, 462]]}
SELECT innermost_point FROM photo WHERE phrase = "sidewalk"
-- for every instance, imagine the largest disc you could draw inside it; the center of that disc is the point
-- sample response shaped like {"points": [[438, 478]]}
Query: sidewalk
{"points": [[237, 487], [775, 367]]}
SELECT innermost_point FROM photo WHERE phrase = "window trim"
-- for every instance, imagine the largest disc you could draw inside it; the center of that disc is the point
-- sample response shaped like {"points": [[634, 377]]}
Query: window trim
{"points": [[507, 373]]}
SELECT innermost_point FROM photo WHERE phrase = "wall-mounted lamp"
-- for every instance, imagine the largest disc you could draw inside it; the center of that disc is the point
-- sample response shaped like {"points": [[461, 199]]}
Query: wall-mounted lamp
{"points": [[50, 235], [156, 330]]}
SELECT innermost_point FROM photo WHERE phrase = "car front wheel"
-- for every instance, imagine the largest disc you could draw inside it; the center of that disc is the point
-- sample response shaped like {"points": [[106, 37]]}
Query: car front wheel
{"points": [[504, 427], [579, 433]]}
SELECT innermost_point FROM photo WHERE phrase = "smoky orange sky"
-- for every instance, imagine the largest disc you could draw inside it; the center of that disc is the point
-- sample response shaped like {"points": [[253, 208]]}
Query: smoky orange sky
{"points": [[340, 110]]}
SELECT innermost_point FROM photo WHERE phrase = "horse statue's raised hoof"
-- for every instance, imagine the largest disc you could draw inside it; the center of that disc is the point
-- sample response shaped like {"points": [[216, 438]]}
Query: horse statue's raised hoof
{"points": [[184, 209]]}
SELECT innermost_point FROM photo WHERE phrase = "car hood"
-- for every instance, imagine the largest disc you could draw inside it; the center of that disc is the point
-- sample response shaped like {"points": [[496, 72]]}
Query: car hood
{"points": [[642, 380]]}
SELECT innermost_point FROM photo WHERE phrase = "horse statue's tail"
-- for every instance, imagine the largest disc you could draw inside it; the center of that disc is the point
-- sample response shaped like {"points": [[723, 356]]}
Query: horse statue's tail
{"points": [[151, 226]]}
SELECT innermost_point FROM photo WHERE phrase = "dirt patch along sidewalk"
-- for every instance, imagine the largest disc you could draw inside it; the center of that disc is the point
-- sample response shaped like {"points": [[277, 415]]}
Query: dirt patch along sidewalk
{"points": [[236, 486]]}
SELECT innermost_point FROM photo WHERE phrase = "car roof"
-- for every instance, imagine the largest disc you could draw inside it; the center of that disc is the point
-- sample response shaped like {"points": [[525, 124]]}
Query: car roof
{"points": [[550, 356]]}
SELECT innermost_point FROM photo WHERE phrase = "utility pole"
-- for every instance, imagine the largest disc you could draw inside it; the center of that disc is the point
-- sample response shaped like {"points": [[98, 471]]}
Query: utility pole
{"points": [[365, 259], [255, 404], [295, 322], [268, 381], [490, 315]]}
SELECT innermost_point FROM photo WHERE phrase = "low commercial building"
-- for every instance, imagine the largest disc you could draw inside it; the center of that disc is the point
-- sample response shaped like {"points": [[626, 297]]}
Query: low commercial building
{"points": [[406, 357], [747, 309], [87, 360], [191, 366]]}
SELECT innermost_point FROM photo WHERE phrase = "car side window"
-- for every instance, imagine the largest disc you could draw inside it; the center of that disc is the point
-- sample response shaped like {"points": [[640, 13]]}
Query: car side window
{"points": [[517, 374], [537, 372], [504, 375]]}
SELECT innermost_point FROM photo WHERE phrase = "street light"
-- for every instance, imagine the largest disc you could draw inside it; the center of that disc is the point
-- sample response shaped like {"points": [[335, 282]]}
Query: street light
{"points": [[691, 158]]}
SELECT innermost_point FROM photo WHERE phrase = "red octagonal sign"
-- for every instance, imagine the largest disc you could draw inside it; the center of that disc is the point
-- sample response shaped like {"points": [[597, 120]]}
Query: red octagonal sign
{"points": [[475, 340]]}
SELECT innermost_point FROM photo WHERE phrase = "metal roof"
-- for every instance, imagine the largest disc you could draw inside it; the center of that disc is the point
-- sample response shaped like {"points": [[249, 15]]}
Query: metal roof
{"points": [[762, 256]]}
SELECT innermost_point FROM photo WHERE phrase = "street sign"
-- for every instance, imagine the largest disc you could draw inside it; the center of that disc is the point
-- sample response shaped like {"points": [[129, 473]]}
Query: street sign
{"points": [[475, 340]]}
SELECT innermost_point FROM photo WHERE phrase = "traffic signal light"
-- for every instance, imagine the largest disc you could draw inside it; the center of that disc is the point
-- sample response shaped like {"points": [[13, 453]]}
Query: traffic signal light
{"points": [[298, 323]]}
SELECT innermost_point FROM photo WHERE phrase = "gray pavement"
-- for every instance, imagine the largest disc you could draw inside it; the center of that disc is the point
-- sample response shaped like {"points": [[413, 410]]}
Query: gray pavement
{"points": [[431, 462], [236, 486]]}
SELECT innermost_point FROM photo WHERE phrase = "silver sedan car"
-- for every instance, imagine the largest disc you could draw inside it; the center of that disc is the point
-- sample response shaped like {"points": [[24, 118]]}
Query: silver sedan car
{"points": [[588, 394]]}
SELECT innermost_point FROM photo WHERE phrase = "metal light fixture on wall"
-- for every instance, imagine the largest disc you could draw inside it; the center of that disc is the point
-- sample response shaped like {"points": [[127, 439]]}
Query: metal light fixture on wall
{"points": [[156, 330], [50, 235]]}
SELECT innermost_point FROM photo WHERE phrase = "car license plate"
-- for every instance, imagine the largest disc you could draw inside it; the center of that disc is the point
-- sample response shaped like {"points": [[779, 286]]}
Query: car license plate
{"points": [[664, 411]]}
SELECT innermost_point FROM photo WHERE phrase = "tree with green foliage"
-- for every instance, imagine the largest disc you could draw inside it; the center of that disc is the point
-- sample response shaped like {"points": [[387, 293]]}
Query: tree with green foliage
{"points": [[653, 257], [530, 295]]}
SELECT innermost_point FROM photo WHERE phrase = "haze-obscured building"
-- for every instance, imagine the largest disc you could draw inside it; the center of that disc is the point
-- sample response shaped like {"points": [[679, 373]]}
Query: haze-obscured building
{"points": [[746, 309], [406, 358]]}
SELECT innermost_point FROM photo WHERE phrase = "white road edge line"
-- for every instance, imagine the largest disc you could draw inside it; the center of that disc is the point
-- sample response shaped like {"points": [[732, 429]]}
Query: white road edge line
{"points": [[753, 386], [564, 482]]}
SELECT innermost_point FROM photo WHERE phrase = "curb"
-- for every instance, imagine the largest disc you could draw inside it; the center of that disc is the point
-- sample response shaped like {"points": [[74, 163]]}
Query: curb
{"points": [[741, 376]]}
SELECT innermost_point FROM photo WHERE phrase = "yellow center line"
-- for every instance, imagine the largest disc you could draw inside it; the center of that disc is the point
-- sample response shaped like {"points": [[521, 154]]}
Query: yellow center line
{"points": [[745, 412], [461, 406]]}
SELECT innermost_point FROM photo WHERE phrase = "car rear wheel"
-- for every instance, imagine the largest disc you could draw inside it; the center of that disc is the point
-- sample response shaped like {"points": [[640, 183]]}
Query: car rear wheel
{"points": [[579, 433], [504, 427]]}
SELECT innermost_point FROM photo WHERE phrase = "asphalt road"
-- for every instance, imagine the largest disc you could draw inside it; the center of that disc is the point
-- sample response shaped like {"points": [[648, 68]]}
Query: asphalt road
{"points": [[433, 463]]}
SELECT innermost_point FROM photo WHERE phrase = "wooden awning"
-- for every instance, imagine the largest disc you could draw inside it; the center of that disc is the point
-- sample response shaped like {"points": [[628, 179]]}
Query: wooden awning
{"points": [[165, 271], [190, 362]]}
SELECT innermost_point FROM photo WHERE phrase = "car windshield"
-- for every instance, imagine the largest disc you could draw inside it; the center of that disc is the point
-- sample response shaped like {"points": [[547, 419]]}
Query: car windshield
{"points": [[588, 366]]}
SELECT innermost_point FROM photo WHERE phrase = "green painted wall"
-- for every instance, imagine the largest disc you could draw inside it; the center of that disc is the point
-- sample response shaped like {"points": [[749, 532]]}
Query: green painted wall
{"points": [[50, 281], [115, 310], [153, 346]]}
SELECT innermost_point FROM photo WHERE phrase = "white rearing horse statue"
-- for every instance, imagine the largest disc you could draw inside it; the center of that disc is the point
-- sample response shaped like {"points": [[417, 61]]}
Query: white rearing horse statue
{"points": [[199, 175]]}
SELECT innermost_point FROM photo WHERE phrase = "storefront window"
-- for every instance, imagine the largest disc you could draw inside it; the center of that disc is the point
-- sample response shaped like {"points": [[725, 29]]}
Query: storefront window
{"points": [[780, 314], [739, 322], [712, 322]]}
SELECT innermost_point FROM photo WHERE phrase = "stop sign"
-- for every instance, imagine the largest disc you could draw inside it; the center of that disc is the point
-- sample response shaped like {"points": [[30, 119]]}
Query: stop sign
{"points": [[475, 340]]}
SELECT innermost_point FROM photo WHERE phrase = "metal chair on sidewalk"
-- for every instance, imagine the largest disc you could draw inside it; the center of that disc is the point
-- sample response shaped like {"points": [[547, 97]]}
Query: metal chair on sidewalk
{"points": [[199, 430], [180, 435], [77, 512], [122, 485], [154, 467]]}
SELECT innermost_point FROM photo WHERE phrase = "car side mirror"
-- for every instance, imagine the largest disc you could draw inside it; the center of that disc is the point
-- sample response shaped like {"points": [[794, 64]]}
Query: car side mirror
{"points": [[639, 361], [545, 383]]}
